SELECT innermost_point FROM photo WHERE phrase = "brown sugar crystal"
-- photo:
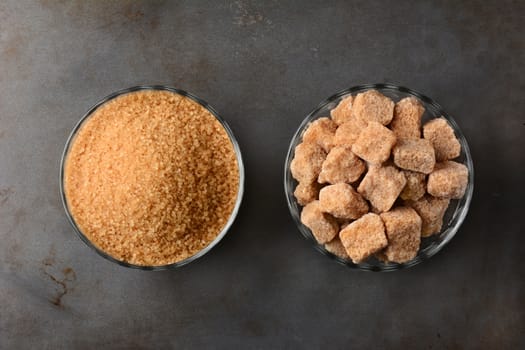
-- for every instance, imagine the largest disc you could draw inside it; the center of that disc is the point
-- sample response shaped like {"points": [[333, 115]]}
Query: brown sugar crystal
{"points": [[348, 132], [415, 187], [381, 186], [374, 143], [364, 237], [307, 162], [406, 123], [306, 192], [415, 154], [373, 106], [343, 112], [431, 210], [403, 231], [448, 180], [321, 131], [342, 201], [443, 139], [341, 165], [324, 227], [151, 178]]}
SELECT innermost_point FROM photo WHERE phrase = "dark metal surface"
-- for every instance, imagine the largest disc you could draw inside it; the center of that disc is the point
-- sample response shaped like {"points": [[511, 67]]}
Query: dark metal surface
{"points": [[264, 66]]}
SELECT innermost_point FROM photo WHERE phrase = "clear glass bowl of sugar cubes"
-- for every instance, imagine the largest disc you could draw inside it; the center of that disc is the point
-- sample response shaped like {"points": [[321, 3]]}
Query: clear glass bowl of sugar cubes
{"points": [[375, 259]]}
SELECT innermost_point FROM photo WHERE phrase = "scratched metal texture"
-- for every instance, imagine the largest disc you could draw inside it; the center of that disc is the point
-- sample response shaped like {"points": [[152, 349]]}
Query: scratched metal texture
{"points": [[263, 65]]}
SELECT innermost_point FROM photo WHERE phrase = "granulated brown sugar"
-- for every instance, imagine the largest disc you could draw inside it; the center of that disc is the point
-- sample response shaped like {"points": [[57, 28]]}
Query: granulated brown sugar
{"points": [[151, 178]]}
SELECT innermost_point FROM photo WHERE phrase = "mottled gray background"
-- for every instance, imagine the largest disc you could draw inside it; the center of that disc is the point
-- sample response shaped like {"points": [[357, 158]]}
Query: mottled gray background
{"points": [[264, 66]]}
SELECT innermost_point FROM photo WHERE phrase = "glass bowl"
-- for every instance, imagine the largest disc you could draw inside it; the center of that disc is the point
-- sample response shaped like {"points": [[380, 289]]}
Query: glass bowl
{"points": [[240, 189], [455, 213]]}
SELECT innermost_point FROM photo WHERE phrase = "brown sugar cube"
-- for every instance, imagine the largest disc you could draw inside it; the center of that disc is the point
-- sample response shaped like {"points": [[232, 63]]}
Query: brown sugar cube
{"points": [[336, 247], [323, 226], [341, 165], [406, 123], [364, 237], [372, 106], [415, 187], [415, 154], [381, 186], [322, 132], [307, 162], [431, 210], [403, 231], [348, 132], [343, 112], [448, 180], [442, 137], [341, 201], [306, 192], [374, 143]]}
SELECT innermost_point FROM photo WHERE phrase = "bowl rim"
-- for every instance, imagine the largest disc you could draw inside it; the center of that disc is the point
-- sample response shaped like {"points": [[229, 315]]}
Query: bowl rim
{"points": [[240, 165], [448, 233]]}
